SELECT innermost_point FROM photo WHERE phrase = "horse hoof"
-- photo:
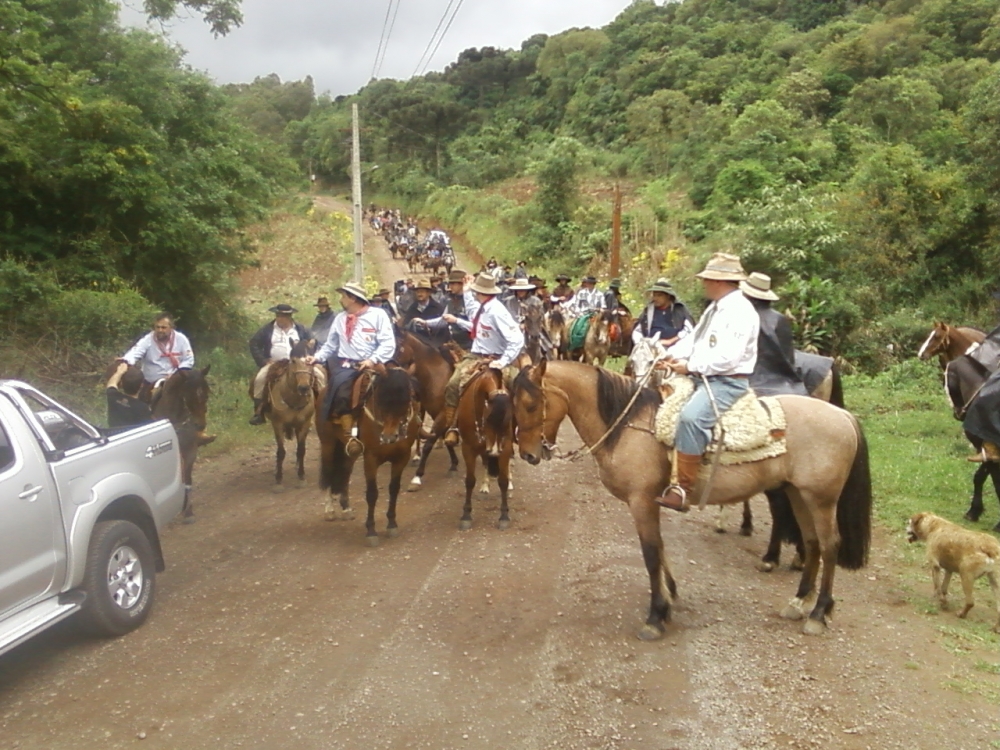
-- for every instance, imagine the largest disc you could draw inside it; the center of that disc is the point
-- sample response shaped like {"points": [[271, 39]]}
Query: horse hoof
{"points": [[415, 461], [464, 525], [746, 531], [393, 532], [188, 520], [720, 530], [765, 567], [277, 489], [347, 514], [650, 633], [814, 627], [452, 468], [415, 485], [484, 490], [792, 612], [371, 541], [503, 524]]}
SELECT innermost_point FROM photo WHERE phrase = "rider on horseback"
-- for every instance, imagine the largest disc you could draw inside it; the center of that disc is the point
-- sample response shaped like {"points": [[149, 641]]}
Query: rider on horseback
{"points": [[723, 349], [161, 352], [424, 307], [360, 338], [459, 303], [496, 340], [664, 315], [588, 298], [775, 371], [272, 343]]}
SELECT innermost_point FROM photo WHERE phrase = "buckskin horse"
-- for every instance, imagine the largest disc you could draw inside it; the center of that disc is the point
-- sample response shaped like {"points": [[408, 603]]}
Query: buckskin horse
{"points": [[949, 342], [597, 340], [825, 472], [183, 399], [292, 387], [388, 426]]}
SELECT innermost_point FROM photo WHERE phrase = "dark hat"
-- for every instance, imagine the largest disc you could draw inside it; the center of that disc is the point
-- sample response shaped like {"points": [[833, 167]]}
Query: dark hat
{"points": [[563, 277], [322, 301], [615, 284], [383, 292], [456, 275], [282, 309], [588, 280], [540, 283]]}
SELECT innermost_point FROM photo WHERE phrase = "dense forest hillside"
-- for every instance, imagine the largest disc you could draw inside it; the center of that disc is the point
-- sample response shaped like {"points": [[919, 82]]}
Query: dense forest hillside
{"points": [[848, 148]]}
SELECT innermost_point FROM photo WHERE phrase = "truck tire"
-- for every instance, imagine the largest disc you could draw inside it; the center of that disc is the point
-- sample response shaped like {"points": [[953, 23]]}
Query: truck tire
{"points": [[119, 580]]}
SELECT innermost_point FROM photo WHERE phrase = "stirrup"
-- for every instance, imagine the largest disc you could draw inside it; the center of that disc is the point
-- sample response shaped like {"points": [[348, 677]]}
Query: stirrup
{"points": [[684, 507], [448, 440], [354, 447]]}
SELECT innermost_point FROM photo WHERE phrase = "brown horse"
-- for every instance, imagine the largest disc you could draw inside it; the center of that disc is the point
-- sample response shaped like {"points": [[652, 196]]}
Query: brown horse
{"points": [[949, 342], [183, 399], [485, 423], [597, 343], [292, 387], [432, 369], [555, 327], [825, 472], [388, 426], [621, 341]]}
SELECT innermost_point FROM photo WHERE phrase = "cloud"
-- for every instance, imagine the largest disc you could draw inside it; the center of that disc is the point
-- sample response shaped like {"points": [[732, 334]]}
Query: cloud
{"points": [[335, 42]]}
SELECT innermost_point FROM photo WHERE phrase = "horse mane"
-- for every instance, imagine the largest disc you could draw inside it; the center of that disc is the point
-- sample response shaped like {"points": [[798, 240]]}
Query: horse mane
{"points": [[299, 350], [556, 317], [523, 382], [614, 391], [393, 392]]}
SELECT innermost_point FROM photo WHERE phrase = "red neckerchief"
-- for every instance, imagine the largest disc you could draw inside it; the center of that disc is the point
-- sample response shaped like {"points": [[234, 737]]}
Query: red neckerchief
{"points": [[168, 350], [352, 320], [475, 320]]}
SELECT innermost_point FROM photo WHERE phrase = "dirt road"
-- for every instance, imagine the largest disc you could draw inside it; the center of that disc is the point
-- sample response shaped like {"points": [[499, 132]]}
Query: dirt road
{"points": [[275, 629]]}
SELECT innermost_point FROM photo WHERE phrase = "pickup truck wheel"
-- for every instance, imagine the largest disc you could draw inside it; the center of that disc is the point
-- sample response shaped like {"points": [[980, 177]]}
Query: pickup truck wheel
{"points": [[119, 580]]}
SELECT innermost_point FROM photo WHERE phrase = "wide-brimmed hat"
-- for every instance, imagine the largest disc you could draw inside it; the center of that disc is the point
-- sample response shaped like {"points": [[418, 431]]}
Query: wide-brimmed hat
{"points": [[424, 284], [322, 301], [282, 309], [615, 284], [521, 285], [383, 292], [485, 284], [588, 280], [758, 286], [563, 277], [355, 290], [539, 283], [723, 267], [456, 276], [662, 285]]}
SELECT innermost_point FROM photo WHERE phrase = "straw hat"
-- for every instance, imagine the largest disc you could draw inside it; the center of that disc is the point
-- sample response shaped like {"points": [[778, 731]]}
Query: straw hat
{"points": [[662, 284], [282, 309], [456, 276], [355, 290], [758, 286], [723, 267], [485, 284], [521, 285], [424, 284]]}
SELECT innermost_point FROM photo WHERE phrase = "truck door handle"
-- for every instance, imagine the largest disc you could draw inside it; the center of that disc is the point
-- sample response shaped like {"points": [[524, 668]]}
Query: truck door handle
{"points": [[30, 493]]}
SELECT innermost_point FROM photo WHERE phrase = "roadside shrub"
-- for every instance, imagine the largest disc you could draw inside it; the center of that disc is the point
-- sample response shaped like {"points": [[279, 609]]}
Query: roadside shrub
{"points": [[99, 320], [21, 287]]}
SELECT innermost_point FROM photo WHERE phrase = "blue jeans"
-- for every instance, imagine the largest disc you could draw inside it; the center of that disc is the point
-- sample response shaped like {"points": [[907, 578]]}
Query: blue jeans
{"points": [[694, 427]]}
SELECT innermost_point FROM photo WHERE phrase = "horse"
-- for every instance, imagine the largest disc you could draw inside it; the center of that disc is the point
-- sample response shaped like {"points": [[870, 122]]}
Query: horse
{"points": [[621, 341], [534, 320], [597, 341], [388, 427], [825, 472], [183, 399], [486, 427], [292, 386], [432, 370], [949, 342], [555, 326], [964, 377]]}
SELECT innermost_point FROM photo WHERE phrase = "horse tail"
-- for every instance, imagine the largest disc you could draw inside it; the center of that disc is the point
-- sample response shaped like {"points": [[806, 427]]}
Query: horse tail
{"points": [[493, 466], [854, 509], [837, 390]]}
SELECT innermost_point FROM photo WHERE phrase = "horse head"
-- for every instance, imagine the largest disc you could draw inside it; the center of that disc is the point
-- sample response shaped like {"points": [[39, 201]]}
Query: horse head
{"points": [[498, 413], [600, 327], [184, 398], [530, 412], [301, 373], [937, 341], [391, 406]]}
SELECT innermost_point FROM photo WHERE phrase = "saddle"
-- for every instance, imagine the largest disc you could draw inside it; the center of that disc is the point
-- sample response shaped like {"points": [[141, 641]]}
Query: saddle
{"points": [[363, 385], [578, 331], [754, 427]]}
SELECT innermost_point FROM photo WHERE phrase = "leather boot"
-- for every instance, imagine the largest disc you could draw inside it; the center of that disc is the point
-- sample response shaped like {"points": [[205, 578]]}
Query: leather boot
{"points": [[451, 432], [353, 447], [258, 412], [676, 496]]}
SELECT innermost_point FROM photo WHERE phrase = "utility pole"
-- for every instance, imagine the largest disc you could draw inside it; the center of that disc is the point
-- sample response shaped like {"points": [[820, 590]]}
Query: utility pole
{"points": [[359, 261], [616, 232]]}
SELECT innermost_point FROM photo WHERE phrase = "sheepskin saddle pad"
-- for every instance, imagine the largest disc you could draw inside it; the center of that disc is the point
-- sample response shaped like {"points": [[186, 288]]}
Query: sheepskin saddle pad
{"points": [[754, 427]]}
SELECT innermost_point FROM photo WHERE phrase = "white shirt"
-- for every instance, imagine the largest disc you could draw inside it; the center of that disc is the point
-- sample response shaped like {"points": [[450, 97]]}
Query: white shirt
{"points": [[155, 360], [282, 342], [497, 333], [372, 338], [725, 339]]}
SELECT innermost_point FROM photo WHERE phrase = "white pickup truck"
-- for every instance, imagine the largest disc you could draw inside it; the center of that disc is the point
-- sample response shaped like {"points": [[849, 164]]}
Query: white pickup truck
{"points": [[81, 510]]}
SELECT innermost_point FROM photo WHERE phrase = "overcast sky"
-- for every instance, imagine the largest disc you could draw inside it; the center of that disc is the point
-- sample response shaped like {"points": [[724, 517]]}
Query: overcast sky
{"points": [[335, 41]]}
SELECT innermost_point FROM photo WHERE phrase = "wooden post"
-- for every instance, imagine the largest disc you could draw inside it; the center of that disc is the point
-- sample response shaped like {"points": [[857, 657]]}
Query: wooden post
{"points": [[616, 233], [359, 260]]}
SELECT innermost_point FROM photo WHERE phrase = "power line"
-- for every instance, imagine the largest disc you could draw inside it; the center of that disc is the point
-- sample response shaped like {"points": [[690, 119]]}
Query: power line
{"points": [[385, 48], [433, 37], [443, 34], [381, 38]]}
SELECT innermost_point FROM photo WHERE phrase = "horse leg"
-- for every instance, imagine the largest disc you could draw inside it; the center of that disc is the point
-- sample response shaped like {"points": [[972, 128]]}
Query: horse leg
{"points": [[794, 610], [337, 471], [187, 476], [995, 474], [824, 516], [978, 480], [663, 588], [279, 455], [503, 479], [395, 480], [746, 527], [470, 455], [371, 497], [454, 461], [784, 528], [425, 453], [300, 453]]}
